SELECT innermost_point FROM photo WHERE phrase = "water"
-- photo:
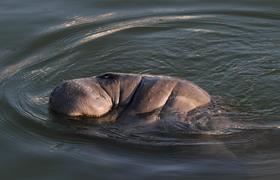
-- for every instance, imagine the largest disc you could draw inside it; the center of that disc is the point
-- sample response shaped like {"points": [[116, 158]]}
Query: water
{"points": [[231, 49]]}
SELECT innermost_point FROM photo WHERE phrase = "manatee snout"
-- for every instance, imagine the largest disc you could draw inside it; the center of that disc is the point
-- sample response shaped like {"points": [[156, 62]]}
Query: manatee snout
{"points": [[80, 97]]}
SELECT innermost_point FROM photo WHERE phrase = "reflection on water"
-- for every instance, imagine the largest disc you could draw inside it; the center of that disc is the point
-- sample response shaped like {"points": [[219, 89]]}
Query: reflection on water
{"points": [[231, 50]]}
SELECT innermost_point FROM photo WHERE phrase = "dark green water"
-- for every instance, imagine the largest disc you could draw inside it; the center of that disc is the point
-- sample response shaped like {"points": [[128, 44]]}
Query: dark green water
{"points": [[230, 48]]}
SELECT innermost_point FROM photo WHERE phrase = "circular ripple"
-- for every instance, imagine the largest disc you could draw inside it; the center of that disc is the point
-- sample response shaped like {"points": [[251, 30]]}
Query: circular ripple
{"points": [[229, 53]]}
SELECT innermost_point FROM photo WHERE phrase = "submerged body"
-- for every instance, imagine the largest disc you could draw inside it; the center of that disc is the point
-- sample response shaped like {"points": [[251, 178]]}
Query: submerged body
{"points": [[124, 95]]}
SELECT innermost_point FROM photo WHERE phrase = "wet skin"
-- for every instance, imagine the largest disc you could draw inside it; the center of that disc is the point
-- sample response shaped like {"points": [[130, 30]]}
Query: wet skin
{"points": [[121, 94]]}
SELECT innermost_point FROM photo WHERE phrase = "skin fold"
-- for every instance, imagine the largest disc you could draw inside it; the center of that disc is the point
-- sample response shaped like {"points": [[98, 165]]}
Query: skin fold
{"points": [[126, 95]]}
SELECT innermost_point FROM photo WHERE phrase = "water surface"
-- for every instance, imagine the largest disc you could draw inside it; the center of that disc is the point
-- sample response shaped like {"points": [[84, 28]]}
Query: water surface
{"points": [[231, 49]]}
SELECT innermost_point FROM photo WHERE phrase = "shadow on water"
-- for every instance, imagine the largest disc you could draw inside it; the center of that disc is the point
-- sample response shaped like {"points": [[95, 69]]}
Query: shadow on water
{"points": [[217, 130]]}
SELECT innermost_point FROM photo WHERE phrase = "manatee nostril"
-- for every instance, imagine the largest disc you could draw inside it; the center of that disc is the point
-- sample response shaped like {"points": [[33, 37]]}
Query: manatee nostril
{"points": [[107, 76]]}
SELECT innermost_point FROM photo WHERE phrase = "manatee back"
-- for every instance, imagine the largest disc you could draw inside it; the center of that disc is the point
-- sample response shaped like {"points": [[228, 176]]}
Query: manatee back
{"points": [[185, 97], [151, 94]]}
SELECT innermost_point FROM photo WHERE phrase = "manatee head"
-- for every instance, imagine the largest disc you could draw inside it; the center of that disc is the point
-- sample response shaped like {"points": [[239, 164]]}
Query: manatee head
{"points": [[94, 96], [80, 97]]}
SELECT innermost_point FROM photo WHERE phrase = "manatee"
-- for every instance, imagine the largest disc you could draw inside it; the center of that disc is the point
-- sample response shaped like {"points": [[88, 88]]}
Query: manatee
{"points": [[122, 95]]}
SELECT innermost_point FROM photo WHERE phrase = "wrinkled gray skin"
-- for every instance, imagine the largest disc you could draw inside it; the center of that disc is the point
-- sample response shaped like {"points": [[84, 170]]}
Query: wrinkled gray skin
{"points": [[127, 95]]}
